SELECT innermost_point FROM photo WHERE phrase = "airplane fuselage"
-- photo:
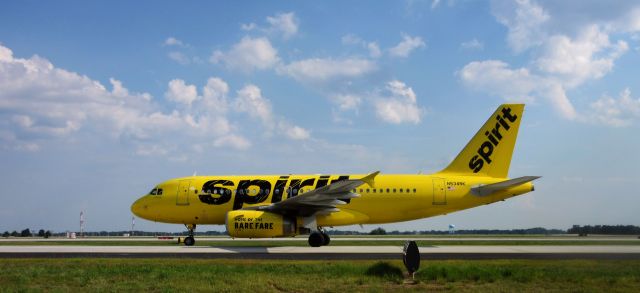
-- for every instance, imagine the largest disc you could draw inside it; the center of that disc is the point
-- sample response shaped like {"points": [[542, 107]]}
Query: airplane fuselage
{"points": [[394, 198]]}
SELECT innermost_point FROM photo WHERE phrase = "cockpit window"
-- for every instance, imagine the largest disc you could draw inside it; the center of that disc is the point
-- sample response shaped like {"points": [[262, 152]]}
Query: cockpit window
{"points": [[156, 191]]}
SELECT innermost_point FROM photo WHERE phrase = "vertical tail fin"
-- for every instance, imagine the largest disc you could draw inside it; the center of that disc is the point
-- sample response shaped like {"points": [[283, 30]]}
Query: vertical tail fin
{"points": [[489, 151]]}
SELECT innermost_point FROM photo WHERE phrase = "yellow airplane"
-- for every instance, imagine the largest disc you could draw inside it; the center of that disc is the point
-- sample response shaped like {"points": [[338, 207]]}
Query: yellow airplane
{"points": [[264, 206]]}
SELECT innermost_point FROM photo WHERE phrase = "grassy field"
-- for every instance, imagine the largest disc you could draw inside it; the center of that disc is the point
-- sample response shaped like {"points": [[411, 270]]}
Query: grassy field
{"points": [[168, 275], [363, 242]]}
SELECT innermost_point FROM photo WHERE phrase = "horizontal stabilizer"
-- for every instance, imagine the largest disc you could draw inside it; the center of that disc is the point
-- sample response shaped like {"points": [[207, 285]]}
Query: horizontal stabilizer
{"points": [[489, 189]]}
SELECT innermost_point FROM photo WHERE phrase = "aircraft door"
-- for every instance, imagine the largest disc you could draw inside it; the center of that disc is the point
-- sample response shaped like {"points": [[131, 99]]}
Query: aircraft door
{"points": [[439, 192], [184, 187]]}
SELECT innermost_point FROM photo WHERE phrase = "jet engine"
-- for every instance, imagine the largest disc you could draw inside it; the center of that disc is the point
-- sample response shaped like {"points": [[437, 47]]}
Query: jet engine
{"points": [[259, 224]]}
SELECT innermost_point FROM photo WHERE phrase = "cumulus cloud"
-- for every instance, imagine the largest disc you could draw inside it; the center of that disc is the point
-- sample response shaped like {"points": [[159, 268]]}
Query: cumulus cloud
{"points": [[525, 20], [171, 41], [284, 24], [248, 55], [619, 112], [497, 78], [398, 104], [180, 92], [406, 46], [589, 56], [567, 51], [251, 101], [40, 102], [321, 70]]}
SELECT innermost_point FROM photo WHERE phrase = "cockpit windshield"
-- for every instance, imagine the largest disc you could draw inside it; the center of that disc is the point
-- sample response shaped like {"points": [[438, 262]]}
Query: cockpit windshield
{"points": [[156, 191]]}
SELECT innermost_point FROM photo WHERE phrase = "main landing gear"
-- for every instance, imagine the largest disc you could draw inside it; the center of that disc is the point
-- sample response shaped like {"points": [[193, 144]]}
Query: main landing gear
{"points": [[189, 240], [319, 238]]}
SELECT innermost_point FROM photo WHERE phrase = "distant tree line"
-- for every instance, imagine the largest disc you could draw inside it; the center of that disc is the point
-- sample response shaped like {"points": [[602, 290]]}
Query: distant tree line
{"points": [[605, 229], [27, 233], [381, 231]]}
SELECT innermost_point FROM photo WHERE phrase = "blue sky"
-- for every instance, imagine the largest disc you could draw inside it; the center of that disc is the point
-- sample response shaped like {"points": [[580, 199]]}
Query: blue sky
{"points": [[100, 101]]}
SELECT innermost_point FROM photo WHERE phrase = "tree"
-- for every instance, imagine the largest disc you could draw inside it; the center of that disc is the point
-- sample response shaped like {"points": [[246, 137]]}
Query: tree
{"points": [[5, 234], [41, 233], [47, 234], [378, 231], [25, 233], [14, 233]]}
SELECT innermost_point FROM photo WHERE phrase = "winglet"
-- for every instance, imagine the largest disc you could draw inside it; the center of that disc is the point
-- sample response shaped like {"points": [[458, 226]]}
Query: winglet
{"points": [[369, 178]]}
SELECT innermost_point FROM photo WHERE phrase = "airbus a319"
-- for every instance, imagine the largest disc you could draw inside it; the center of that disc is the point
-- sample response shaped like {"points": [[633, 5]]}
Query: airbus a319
{"points": [[265, 206]]}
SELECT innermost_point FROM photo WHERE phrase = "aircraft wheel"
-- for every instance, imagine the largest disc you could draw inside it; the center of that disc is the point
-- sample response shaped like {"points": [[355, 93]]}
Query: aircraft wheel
{"points": [[316, 239], [327, 240], [189, 241]]}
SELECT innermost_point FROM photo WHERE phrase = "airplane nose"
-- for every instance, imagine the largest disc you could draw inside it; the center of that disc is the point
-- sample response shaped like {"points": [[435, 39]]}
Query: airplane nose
{"points": [[138, 208]]}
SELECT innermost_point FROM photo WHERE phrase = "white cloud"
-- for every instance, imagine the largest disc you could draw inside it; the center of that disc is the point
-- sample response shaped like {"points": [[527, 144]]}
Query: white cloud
{"points": [[180, 92], [408, 44], [320, 70], [294, 132], [283, 24], [525, 20], [374, 50], [619, 112], [214, 95], [570, 45], [179, 57], [171, 41], [40, 103], [346, 101], [473, 44], [248, 55], [372, 47], [251, 101], [233, 141], [399, 105], [496, 78], [590, 56]]}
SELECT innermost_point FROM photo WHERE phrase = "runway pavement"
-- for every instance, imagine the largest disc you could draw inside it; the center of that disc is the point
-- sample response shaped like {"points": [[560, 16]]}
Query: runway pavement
{"points": [[327, 252]]}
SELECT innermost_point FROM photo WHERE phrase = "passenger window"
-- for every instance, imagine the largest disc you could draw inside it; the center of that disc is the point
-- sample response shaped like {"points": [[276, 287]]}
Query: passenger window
{"points": [[367, 190], [394, 190], [414, 190], [360, 190]]}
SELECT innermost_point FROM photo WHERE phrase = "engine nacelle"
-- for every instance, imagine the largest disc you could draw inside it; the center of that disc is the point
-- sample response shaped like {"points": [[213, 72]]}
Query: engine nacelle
{"points": [[259, 224]]}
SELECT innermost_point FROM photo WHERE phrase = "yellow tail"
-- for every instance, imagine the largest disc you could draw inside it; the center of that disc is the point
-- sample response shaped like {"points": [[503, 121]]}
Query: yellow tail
{"points": [[489, 151]]}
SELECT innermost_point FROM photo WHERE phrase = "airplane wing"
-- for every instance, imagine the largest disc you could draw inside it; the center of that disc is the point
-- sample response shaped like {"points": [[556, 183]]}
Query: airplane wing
{"points": [[484, 190], [320, 200]]}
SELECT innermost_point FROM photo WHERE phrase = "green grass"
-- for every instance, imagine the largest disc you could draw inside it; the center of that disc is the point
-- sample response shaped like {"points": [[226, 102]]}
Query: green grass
{"points": [[220, 275], [363, 242]]}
